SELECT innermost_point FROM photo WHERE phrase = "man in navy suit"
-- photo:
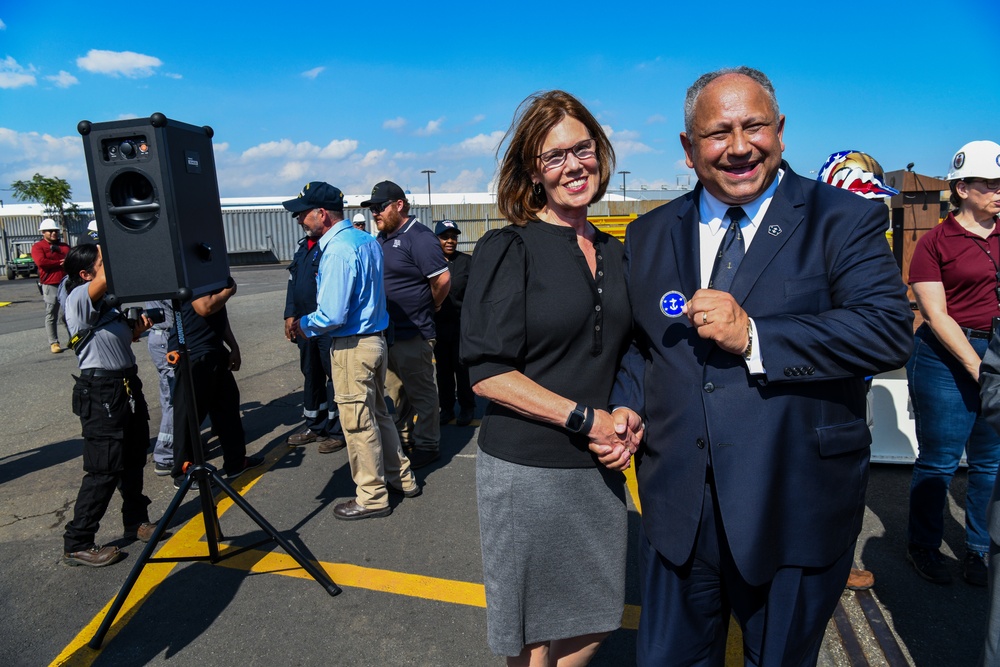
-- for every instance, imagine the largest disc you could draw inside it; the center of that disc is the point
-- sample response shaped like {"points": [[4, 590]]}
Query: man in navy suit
{"points": [[761, 301]]}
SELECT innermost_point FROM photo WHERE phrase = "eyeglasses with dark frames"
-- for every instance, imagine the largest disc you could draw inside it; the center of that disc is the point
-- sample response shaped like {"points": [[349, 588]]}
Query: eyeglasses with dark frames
{"points": [[990, 183], [556, 157]]}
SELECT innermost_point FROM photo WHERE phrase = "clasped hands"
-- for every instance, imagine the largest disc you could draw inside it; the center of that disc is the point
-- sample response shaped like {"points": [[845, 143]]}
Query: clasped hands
{"points": [[615, 437]]}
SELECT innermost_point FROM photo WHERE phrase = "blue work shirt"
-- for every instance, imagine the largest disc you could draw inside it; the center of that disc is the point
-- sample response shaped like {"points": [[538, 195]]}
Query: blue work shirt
{"points": [[351, 293]]}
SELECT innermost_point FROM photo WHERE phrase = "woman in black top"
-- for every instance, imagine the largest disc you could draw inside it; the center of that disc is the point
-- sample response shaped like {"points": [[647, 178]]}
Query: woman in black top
{"points": [[546, 322]]}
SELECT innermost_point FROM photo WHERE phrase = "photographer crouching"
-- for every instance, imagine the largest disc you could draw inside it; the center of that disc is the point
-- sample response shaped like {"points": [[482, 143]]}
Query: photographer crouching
{"points": [[108, 399]]}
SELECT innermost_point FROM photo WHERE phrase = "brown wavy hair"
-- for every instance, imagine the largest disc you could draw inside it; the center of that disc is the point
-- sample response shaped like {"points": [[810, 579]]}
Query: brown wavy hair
{"points": [[534, 119]]}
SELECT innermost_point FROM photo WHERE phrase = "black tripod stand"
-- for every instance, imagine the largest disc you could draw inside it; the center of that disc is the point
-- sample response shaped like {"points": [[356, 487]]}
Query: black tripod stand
{"points": [[205, 475]]}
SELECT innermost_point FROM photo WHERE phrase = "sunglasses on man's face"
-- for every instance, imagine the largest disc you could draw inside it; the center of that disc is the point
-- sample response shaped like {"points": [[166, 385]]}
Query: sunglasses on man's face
{"points": [[376, 209]]}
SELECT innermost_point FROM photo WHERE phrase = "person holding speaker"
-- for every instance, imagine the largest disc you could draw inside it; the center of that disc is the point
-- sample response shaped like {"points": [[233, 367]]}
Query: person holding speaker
{"points": [[108, 400], [214, 354]]}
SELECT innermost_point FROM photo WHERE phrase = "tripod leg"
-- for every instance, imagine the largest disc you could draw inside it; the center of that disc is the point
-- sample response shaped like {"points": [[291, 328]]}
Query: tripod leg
{"points": [[140, 563], [321, 577]]}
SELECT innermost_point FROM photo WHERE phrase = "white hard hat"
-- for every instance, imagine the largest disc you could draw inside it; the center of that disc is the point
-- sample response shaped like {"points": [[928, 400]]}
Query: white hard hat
{"points": [[358, 217], [976, 159], [92, 226], [48, 224]]}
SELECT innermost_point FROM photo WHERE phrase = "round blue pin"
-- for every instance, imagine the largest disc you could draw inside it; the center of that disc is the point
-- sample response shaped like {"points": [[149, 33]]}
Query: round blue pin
{"points": [[672, 304]]}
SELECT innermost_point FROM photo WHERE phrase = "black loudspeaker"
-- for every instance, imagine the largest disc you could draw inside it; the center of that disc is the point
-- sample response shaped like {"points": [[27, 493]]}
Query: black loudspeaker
{"points": [[156, 200]]}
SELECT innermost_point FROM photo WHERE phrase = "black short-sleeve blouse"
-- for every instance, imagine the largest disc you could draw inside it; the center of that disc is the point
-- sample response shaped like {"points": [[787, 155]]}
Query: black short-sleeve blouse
{"points": [[533, 306]]}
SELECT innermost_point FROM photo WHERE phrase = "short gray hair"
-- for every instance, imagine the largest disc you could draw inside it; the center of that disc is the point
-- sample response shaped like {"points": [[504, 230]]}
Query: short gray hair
{"points": [[691, 100]]}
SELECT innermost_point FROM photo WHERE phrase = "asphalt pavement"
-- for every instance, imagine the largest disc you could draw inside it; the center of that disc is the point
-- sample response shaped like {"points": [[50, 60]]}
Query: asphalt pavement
{"points": [[411, 582]]}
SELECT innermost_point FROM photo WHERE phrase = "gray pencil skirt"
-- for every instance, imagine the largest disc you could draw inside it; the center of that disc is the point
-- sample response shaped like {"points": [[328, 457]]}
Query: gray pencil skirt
{"points": [[554, 542]]}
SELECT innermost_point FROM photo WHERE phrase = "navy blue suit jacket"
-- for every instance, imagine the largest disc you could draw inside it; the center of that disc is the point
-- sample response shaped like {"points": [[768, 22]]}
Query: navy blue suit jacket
{"points": [[790, 448]]}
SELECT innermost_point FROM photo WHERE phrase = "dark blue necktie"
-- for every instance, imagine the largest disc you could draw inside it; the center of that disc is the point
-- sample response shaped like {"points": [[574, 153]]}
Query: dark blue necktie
{"points": [[731, 252]]}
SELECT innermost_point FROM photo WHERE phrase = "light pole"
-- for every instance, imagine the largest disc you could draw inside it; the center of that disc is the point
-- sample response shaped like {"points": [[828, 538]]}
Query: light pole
{"points": [[429, 172], [623, 173]]}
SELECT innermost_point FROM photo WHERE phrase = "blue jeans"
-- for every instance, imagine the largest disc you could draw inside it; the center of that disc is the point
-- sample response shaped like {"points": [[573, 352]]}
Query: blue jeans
{"points": [[946, 405]]}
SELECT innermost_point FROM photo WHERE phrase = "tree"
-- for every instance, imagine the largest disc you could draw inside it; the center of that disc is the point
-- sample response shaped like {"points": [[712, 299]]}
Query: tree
{"points": [[53, 193]]}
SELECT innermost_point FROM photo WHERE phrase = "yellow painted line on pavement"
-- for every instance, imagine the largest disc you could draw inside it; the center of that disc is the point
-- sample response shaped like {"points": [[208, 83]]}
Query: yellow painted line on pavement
{"points": [[5, 303], [186, 541], [633, 488], [384, 581]]}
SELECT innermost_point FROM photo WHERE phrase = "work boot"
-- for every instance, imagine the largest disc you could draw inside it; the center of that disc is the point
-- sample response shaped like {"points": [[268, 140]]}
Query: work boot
{"points": [[929, 564]]}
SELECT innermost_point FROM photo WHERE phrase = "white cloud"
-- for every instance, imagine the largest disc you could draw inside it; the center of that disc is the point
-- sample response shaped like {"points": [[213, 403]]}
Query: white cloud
{"points": [[63, 79], [656, 118], [35, 147], [338, 149], [13, 75], [478, 118], [278, 149], [294, 171], [3, 26], [625, 142], [394, 124], [313, 73], [221, 148], [479, 145], [432, 127], [24, 154], [681, 166], [172, 75], [402, 155], [466, 181], [118, 63], [373, 158]]}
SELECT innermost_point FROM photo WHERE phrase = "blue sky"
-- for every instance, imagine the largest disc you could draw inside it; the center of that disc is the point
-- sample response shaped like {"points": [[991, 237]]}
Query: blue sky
{"points": [[353, 93]]}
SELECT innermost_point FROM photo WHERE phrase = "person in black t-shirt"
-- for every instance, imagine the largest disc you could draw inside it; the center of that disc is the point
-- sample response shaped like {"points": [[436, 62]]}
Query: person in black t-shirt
{"points": [[452, 374], [214, 354]]}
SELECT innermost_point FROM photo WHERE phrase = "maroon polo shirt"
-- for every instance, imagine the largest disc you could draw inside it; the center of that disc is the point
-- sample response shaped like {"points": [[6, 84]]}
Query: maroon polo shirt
{"points": [[957, 258]]}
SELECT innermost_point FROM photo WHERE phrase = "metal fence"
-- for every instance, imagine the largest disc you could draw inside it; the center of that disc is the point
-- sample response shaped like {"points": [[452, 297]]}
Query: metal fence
{"points": [[267, 233]]}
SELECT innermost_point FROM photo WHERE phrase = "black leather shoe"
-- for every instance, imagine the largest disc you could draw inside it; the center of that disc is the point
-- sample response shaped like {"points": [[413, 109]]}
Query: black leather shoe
{"points": [[352, 511], [412, 493], [95, 556], [423, 457], [975, 569], [464, 418]]}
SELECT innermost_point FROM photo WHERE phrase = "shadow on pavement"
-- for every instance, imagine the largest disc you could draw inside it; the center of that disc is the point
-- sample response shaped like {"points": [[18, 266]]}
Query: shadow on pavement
{"points": [[939, 625]]}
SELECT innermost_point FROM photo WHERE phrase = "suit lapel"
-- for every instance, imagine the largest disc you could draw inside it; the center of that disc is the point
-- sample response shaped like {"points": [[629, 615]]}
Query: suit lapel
{"points": [[684, 239], [784, 215]]}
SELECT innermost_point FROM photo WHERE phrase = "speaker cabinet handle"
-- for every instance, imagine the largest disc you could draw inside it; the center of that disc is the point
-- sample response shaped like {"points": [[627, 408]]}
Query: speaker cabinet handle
{"points": [[135, 208]]}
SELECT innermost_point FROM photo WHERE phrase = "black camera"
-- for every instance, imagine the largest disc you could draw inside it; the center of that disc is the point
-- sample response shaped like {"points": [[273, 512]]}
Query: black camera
{"points": [[135, 313]]}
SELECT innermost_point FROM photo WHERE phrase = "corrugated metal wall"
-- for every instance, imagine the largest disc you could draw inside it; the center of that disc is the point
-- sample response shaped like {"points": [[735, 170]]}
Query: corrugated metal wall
{"points": [[268, 233], [25, 228]]}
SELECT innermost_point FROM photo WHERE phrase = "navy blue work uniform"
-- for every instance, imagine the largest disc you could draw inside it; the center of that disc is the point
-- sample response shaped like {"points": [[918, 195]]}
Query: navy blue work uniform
{"points": [[318, 405]]}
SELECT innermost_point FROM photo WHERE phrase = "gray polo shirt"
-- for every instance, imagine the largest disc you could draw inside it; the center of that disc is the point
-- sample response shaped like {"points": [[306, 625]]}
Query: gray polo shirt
{"points": [[111, 346]]}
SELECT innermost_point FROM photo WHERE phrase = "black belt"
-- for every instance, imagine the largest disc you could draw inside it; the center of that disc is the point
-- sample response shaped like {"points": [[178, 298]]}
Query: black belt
{"points": [[101, 373], [977, 333]]}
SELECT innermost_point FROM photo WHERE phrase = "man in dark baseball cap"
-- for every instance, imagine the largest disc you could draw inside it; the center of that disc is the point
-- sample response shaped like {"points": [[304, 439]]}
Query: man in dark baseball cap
{"points": [[416, 283], [383, 192], [316, 194], [317, 209]]}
